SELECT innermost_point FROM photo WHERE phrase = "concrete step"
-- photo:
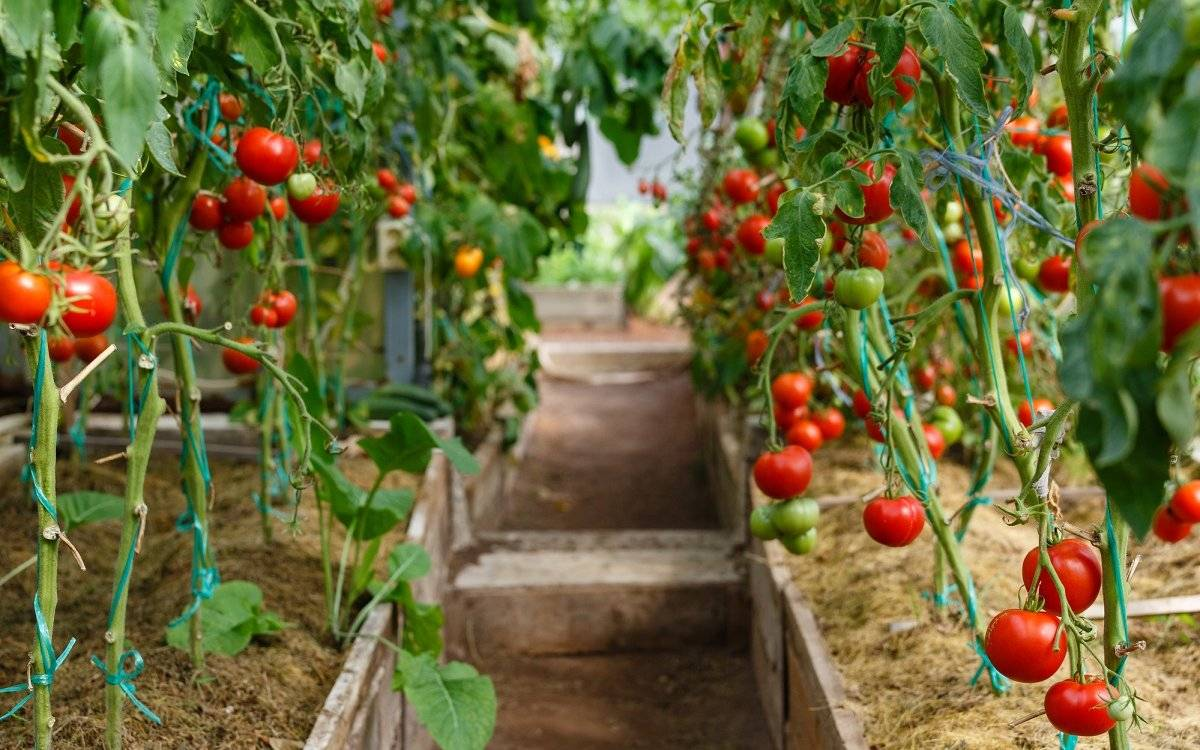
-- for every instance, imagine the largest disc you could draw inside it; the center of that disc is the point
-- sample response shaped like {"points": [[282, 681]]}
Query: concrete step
{"points": [[612, 362], [576, 600]]}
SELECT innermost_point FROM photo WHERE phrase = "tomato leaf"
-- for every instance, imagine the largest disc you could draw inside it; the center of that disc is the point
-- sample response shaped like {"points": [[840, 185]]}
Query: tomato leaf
{"points": [[959, 47], [708, 83], [888, 36], [832, 41], [802, 230], [26, 19], [129, 82], [804, 89], [176, 33], [906, 196], [35, 205], [1019, 52], [1134, 87]]}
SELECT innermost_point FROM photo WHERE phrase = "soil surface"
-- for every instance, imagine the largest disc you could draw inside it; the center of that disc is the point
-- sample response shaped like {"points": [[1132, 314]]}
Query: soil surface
{"points": [[911, 685], [695, 700], [606, 457], [269, 693]]}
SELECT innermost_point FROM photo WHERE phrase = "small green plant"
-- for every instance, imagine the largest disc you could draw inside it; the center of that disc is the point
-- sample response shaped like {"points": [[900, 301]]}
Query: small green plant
{"points": [[232, 618]]}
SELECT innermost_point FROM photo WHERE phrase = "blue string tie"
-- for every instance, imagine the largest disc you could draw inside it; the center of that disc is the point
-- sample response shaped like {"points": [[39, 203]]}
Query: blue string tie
{"points": [[123, 678]]}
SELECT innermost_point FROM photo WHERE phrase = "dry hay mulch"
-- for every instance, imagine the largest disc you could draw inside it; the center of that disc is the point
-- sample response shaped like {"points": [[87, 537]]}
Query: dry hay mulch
{"points": [[266, 696], [911, 688]]}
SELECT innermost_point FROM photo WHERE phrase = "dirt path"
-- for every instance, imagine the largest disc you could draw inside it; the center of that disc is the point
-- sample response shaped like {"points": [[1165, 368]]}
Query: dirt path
{"points": [[612, 457]]}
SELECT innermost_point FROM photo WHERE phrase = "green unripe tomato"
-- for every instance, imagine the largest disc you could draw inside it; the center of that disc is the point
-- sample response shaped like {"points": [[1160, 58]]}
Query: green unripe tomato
{"points": [[1004, 308], [1026, 268], [766, 160], [858, 288], [953, 213], [795, 516], [947, 422], [301, 185], [952, 232], [751, 135], [1121, 708], [801, 544], [761, 526], [112, 215], [774, 251]]}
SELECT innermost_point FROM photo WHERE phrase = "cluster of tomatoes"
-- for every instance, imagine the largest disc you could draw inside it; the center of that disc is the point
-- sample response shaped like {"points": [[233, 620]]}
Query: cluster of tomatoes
{"points": [[847, 80], [266, 158], [656, 190], [1173, 522], [274, 309], [89, 305], [784, 475], [1053, 143], [715, 236], [1029, 645], [400, 195]]}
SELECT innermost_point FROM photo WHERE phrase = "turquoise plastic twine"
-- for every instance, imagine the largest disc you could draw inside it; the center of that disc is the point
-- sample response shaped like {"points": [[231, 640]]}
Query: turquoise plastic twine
{"points": [[45, 645], [1067, 741], [205, 578], [208, 99], [78, 429], [123, 678]]}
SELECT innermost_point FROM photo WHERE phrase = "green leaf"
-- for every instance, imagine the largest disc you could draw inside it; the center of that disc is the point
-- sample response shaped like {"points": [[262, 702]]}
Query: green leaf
{"points": [[906, 196], [102, 31], [1019, 52], [960, 50], [27, 19], [408, 562], [708, 83], [176, 33], [388, 508], [888, 36], [129, 82], [66, 21], [832, 41], [408, 446], [229, 619], [35, 205], [1134, 87], [422, 626], [83, 507], [300, 368], [453, 701], [351, 79], [804, 89], [1176, 403], [802, 230], [253, 38]]}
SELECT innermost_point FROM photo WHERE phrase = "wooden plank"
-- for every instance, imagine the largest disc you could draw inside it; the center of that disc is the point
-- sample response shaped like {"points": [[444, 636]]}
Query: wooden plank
{"points": [[335, 723], [1167, 605], [767, 645]]}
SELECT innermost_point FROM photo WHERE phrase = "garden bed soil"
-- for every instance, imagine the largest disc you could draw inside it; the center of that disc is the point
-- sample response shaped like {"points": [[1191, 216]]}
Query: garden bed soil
{"points": [[612, 457], [910, 687], [267, 696]]}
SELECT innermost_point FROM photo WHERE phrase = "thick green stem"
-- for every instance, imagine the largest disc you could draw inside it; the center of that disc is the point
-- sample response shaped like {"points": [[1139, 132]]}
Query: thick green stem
{"points": [[266, 466], [43, 458], [137, 457], [308, 290], [1078, 88], [1115, 634]]}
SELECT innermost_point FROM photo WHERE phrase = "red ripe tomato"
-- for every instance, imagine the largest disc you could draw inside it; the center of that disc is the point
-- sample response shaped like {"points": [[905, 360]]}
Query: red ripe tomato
{"points": [[1023, 131], [245, 200], [643, 187], [1080, 708], [791, 390], [263, 315], [1026, 343], [838, 231], [407, 192], [238, 363], [693, 246], [231, 107], [764, 300], [806, 434], [61, 348], [318, 207], [397, 207], [966, 260], [862, 404], [935, 440], [873, 250], [658, 190], [750, 234], [1057, 117], [1025, 414], [72, 135], [877, 201], [875, 430], [1057, 151], [265, 156], [756, 346], [24, 296], [774, 193], [381, 52], [946, 395], [285, 306], [1055, 273], [93, 303], [724, 259], [1180, 299], [1147, 190], [925, 376], [1082, 237], [90, 347], [783, 474], [1021, 645], [206, 212], [741, 185], [905, 77], [384, 8], [192, 304], [72, 216], [711, 219], [1185, 503], [311, 153], [894, 522], [236, 235], [843, 68], [809, 321], [279, 208], [831, 423], [1169, 528], [1078, 567], [785, 416], [706, 260], [386, 179]]}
